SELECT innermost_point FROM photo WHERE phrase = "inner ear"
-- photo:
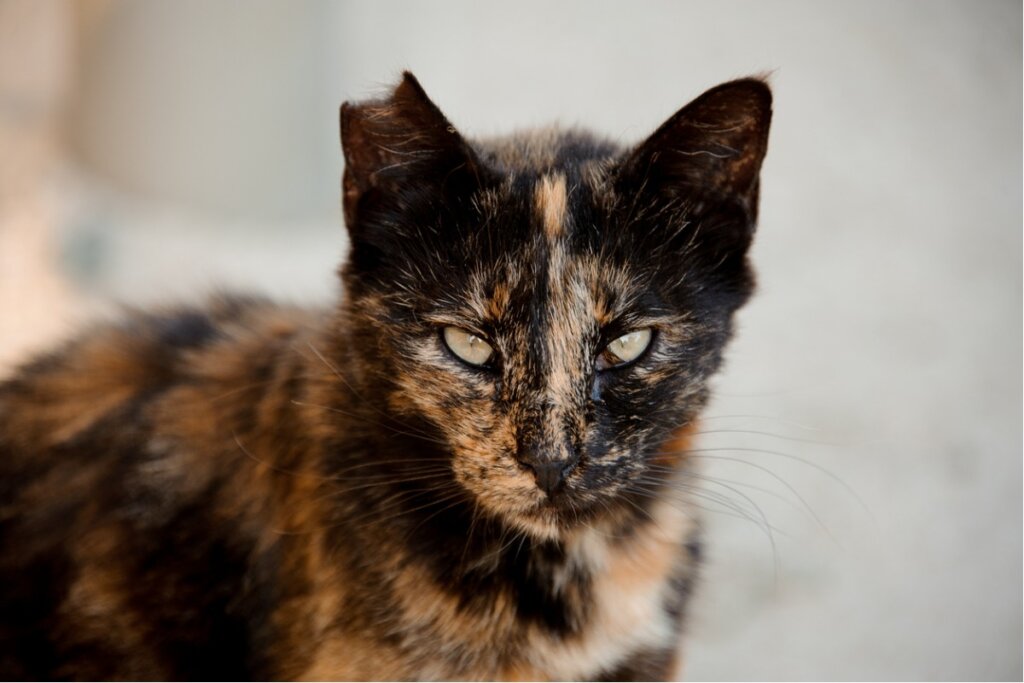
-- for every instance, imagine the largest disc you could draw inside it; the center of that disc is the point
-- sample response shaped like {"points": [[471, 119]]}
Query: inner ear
{"points": [[399, 142], [711, 148]]}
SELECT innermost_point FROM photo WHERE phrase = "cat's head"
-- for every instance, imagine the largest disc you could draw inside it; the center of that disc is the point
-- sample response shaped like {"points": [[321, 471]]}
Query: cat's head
{"points": [[549, 306]]}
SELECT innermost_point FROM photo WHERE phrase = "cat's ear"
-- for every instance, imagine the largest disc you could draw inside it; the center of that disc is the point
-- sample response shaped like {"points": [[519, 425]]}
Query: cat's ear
{"points": [[707, 158], [400, 142]]}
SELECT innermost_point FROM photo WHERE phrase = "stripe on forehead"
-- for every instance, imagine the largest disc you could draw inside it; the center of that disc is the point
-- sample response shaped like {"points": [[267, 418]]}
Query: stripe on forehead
{"points": [[550, 199], [551, 203], [565, 310]]}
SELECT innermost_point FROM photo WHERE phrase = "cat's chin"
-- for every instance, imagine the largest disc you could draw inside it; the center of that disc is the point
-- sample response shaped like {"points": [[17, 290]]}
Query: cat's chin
{"points": [[540, 526], [548, 520]]}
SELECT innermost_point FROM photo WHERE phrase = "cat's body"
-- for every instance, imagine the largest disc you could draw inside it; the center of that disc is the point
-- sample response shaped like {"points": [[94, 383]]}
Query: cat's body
{"points": [[252, 491]]}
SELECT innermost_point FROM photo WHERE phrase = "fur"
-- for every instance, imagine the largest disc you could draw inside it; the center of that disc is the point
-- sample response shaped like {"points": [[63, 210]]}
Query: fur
{"points": [[245, 490]]}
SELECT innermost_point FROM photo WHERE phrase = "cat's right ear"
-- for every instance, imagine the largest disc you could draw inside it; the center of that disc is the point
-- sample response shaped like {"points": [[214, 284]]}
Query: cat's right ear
{"points": [[701, 169], [397, 149], [712, 147]]}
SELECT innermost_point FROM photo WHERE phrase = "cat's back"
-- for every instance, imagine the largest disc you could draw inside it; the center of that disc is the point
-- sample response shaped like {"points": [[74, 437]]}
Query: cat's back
{"points": [[98, 390], [118, 455]]}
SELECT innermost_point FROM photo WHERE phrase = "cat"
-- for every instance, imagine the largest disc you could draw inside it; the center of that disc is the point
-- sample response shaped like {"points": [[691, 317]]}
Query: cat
{"points": [[473, 468]]}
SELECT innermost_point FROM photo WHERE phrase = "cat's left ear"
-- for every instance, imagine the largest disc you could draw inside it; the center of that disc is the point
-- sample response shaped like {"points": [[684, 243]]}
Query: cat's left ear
{"points": [[709, 152], [399, 144]]}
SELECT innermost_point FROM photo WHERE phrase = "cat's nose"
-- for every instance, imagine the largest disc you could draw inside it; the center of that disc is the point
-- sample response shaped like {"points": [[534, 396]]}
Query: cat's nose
{"points": [[550, 475], [550, 472]]}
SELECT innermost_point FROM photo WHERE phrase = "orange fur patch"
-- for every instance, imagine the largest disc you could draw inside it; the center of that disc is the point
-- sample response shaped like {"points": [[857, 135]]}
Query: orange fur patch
{"points": [[551, 202], [677, 445]]}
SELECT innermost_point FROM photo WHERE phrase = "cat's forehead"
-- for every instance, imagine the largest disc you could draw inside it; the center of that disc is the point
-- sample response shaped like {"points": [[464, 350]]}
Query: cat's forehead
{"points": [[553, 187], [553, 210], [545, 150], [550, 215]]}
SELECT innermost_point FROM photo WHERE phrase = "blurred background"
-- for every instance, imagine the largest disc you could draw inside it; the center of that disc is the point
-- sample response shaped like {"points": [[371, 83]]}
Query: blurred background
{"points": [[862, 460]]}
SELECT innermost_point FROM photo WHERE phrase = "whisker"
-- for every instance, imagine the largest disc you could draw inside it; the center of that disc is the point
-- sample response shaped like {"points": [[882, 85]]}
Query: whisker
{"points": [[455, 496], [372, 517], [437, 460], [439, 465], [749, 416], [404, 480], [766, 528], [773, 435], [686, 497], [779, 479], [720, 481], [726, 486], [272, 466], [502, 546], [474, 517], [648, 516], [831, 475]]}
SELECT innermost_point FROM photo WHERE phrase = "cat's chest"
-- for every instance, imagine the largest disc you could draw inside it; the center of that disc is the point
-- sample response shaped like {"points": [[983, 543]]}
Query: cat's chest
{"points": [[435, 632], [630, 598]]}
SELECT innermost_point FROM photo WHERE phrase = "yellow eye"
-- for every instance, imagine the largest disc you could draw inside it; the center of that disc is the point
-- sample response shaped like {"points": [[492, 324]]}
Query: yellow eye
{"points": [[467, 346], [625, 349]]}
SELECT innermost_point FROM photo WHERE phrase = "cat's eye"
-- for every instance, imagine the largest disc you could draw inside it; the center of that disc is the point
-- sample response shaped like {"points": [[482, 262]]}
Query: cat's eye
{"points": [[625, 349], [469, 347]]}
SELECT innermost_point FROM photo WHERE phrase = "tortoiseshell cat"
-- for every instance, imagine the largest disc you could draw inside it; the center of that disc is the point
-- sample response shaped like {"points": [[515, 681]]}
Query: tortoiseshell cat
{"points": [[470, 470]]}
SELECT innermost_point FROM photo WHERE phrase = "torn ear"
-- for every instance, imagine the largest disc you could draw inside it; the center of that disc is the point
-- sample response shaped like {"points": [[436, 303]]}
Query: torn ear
{"points": [[712, 147], [395, 142]]}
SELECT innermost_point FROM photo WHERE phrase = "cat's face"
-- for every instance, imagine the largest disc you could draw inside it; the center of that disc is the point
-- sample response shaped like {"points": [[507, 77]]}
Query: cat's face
{"points": [[549, 307]]}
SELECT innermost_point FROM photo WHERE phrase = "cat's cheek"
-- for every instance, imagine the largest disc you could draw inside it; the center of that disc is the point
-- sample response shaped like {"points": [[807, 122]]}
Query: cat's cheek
{"points": [[499, 485], [428, 386], [505, 492]]}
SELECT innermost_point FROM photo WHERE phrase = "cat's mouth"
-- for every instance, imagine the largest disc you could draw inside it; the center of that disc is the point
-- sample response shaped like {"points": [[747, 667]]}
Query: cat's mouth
{"points": [[552, 514], [513, 494], [543, 520], [540, 515]]}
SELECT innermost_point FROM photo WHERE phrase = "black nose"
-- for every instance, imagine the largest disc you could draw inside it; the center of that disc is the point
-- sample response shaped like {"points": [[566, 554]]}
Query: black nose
{"points": [[550, 475]]}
